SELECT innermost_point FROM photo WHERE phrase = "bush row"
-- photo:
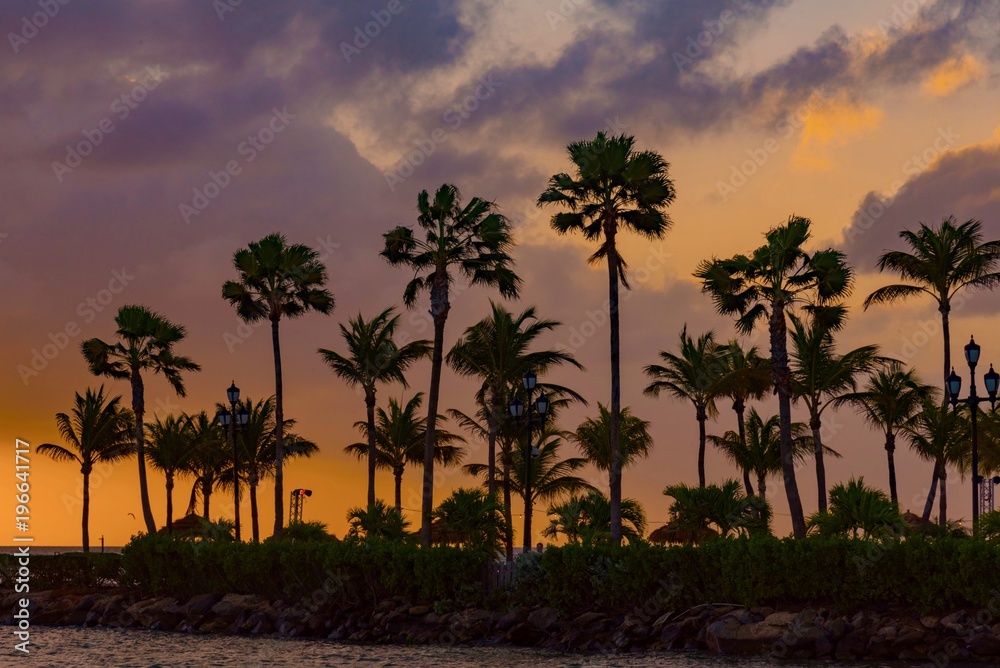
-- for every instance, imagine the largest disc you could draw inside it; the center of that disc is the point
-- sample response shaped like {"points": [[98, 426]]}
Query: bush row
{"points": [[55, 571]]}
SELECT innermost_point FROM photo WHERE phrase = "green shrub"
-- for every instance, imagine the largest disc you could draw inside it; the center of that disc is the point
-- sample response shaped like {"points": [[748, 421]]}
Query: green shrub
{"points": [[73, 569]]}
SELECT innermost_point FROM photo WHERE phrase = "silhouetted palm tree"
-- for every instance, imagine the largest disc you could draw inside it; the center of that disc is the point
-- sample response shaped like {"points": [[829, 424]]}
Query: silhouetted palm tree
{"points": [[747, 376], [820, 376], [209, 459], [593, 438], [170, 449], [615, 188], [377, 521], [941, 435], [765, 285], [473, 241], [856, 508], [374, 357], [941, 262], [496, 351], [277, 280], [98, 429], [399, 440], [695, 375], [887, 402], [145, 343], [695, 510], [587, 519], [471, 517]]}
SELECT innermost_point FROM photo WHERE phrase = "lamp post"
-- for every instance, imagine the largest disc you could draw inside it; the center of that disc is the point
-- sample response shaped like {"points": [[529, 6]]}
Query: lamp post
{"points": [[954, 385], [234, 420], [517, 410]]}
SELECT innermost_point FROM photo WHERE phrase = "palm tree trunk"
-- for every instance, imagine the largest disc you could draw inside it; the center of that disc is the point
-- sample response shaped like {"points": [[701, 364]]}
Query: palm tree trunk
{"points": [[890, 449], [816, 425], [702, 417], [138, 409], [491, 443], [929, 504], [170, 501], [738, 407], [398, 475], [279, 432], [439, 311], [370, 405], [783, 387], [206, 496], [943, 518], [253, 510], [746, 482], [614, 432], [508, 515], [86, 511], [762, 487]]}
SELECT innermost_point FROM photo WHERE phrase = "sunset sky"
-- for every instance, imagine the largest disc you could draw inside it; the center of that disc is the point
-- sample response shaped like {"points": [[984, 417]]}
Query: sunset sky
{"points": [[118, 115]]}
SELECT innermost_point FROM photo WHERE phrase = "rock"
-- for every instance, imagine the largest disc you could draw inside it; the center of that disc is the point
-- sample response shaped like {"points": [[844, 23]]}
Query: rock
{"points": [[721, 636], [543, 618], [807, 616], [199, 606], [838, 627], [852, 646], [985, 644], [906, 638], [524, 635], [929, 622], [588, 618], [418, 610], [231, 605], [785, 619]]}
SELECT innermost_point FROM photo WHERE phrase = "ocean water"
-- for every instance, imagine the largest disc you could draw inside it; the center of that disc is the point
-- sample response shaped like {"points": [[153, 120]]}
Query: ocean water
{"points": [[120, 648]]}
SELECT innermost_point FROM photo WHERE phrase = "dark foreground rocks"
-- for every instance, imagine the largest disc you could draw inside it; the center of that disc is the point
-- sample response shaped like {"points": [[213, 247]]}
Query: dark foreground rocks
{"points": [[965, 635]]}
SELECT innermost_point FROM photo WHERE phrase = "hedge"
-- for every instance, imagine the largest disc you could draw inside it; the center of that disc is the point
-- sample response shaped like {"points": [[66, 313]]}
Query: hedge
{"points": [[73, 569]]}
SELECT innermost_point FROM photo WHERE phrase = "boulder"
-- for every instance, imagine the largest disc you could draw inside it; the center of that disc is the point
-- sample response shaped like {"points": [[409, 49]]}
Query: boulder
{"points": [[587, 619], [232, 605], [419, 610], [985, 644], [543, 618]]}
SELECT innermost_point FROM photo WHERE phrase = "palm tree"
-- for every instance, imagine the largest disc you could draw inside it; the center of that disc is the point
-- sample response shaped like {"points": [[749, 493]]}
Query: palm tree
{"points": [[170, 449], [374, 357], [820, 376], [471, 517], [593, 438], [258, 446], [399, 440], [496, 351], [209, 459], [758, 450], [97, 430], [941, 435], [587, 519], [746, 376], [889, 399], [614, 188], [277, 280], [377, 520], [941, 262], [855, 507], [694, 375], [695, 510], [472, 240], [765, 285], [145, 343], [550, 476]]}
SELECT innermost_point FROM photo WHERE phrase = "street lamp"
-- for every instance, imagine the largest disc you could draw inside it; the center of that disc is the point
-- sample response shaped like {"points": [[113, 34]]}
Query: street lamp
{"points": [[234, 420], [953, 386], [541, 405]]}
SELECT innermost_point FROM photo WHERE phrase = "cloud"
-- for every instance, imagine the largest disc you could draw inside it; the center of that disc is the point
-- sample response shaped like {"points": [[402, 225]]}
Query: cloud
{"points": [[953, 75], [837, 122]]}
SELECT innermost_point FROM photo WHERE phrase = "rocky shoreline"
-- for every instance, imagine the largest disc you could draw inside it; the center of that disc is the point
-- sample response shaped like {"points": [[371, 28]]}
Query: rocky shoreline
{"points": [[804, 633]]}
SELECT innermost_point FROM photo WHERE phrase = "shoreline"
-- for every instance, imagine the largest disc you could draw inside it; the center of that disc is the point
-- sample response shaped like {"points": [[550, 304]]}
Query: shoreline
{"points": [[799, 632]]}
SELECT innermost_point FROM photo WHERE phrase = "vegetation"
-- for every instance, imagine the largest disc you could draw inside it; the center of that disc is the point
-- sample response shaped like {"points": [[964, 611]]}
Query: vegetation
{"points": [[171, 449], [858, 510], [471, 518], [717, 510], [587, 520]]}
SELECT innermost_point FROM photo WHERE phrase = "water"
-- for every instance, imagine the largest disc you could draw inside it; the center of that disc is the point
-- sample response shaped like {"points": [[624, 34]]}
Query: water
{"points": [[120, 648]]}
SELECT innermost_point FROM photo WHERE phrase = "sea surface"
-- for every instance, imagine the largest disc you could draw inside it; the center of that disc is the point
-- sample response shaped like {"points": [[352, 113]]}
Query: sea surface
{"points": [[120, 648]]}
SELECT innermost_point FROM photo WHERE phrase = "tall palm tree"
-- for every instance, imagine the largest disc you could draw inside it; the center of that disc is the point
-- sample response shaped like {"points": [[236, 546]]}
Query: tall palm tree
{"points": [[758, 450], [374, 357], [471, 517], [495, 350], [145, 343], [820, 375], [941, 435], [277, 280], [593, 437], [170, 449], [941, 262], [587, 519], [695, 375], [473, 241], [746, 376], [98, 429], [890, 398], [399, 440], [615, 188], [209, 459], [550, 476], [765, 285], [257, 451]]}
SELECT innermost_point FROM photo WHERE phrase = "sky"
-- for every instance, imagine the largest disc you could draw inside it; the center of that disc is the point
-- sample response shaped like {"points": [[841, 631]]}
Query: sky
{"points": [[143, 142]]}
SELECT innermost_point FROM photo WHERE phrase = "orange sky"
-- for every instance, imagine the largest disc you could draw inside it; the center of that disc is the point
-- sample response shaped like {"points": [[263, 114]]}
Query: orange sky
{"points": [[804, 107]]}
